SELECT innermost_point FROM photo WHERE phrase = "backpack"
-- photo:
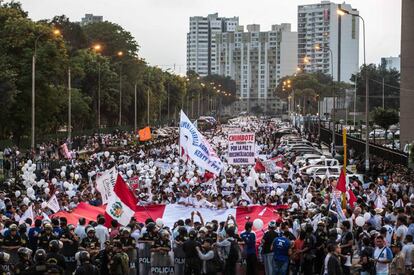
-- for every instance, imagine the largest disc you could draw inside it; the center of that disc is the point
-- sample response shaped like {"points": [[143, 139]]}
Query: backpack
{"points": [[216, 264], [235, 252]]}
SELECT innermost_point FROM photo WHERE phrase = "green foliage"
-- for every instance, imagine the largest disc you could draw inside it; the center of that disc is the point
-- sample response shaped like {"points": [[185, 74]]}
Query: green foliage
{"points": [[73, 50], [375, 76], [385, 117]]}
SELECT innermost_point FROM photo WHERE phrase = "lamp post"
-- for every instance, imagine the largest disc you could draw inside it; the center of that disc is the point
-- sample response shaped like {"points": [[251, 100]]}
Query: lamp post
{"points": [[317, 47], [120, 54], [343, 12], [97, 49], [55, 32]]}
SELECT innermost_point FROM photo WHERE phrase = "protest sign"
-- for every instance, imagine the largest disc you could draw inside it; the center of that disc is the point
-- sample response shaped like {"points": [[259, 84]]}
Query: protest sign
{"points": [[241, 149]]}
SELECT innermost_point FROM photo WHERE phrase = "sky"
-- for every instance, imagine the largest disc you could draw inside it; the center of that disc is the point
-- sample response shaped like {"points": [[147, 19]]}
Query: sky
{"points": [[161, 26]]}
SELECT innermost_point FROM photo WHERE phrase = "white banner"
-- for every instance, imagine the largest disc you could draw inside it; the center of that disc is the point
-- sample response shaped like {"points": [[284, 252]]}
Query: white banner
{"points": [[174, 212], [241, 150], [53, 204], [105, 183], [196, 147]]}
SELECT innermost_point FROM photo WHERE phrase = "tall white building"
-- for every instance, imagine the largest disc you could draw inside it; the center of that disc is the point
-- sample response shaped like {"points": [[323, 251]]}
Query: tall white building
{"points": [[319, 24], [201, 53], [392, 62], [90, 18], [257, 61]]}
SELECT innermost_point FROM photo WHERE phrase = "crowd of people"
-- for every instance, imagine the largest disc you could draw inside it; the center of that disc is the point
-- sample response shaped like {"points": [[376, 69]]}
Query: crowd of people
{"points": [[307, 236]]}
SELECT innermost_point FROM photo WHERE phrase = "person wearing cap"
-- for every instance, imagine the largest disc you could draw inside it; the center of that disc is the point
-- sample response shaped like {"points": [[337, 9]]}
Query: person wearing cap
{"points": [[45, 237], [266, 243], [119, 263], [91, 242], [124, 237], [211, 233], [192, 261], [12, 241], [365, 256], [163, 244], [397, 266]]}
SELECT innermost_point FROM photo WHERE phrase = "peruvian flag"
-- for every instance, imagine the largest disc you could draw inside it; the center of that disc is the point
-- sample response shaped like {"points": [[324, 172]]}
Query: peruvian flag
{"points": [[122, 203]]}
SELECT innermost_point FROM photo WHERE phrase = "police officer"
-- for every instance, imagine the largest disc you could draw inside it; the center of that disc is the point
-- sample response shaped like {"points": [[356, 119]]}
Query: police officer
{"points": [[45, 237], [321, 239], [119, 264], [126, 240], [42, 266], [5, 266], [23, 234], [151, 234], [86, 268], [192, 261], [163, 244], [54, 248], [104, 258], [24, 263], [90, 243], [12, 242]]}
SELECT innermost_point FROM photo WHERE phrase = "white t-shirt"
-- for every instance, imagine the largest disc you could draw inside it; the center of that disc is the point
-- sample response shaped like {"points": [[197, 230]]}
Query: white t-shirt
{"points": [[407, 250], [390, 232], [382, 254], [401, 232]]}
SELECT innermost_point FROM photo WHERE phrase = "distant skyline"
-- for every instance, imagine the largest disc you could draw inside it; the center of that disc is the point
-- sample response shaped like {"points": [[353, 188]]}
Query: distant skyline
{"points": [[160, 26]]}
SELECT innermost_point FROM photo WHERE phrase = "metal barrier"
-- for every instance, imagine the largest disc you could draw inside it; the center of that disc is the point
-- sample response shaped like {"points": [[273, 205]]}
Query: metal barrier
{"points": [[358, 145]]}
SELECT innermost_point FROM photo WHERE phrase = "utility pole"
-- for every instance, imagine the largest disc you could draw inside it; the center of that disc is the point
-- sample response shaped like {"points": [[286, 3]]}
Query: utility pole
{"points": [[135, 108], [69, 110]]}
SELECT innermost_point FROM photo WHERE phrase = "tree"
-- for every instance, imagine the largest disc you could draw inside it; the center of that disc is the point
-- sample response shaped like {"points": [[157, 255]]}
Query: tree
{"points": [[385, 118], [375, 76]]}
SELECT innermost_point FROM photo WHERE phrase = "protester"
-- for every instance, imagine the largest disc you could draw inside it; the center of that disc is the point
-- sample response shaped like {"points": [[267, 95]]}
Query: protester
{"points": [[307, 225]]}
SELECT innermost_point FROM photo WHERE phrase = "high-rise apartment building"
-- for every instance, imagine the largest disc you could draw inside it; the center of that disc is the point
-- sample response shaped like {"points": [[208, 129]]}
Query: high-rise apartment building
{"points": [[201, 52], [392, 62], [90, 18], [320, 25], [257, 61]]}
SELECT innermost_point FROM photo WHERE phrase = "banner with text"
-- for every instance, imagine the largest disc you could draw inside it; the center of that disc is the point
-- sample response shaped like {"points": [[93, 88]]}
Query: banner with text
{"points": [[241, 150]]}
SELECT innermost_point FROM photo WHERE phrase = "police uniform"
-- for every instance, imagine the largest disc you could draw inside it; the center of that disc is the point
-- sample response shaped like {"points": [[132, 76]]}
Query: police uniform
{"points": [[90, 243], [44, 240], [22, 267], [162, 243], [10, 240], [126, 241], [149, 237]]}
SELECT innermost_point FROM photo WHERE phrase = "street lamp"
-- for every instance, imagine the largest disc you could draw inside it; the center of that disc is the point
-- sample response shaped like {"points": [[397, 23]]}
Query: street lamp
{"points": [[318, 47], [343, 12], [98, 48], [56, 32], [120, 54]]}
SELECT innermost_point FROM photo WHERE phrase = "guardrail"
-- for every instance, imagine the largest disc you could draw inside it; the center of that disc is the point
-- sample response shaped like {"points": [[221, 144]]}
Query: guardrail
{"points": [[395, 156]]}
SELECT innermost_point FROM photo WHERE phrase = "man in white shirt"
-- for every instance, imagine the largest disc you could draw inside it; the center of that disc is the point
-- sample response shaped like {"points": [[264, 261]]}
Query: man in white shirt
{"points": [[382, 256], [101, 232], [402, 229], [407, 250], [80, 229], [390, 230]]}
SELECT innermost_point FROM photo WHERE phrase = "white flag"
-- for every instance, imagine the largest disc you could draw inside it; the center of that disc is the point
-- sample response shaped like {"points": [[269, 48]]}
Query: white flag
{"points": [[105, 184], [53, 204], [28, 214], [196, 147], [245, 197]]}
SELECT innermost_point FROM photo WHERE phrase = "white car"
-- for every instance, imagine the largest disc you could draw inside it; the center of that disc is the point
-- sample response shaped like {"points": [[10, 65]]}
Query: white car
{"points": [[378, 133]]}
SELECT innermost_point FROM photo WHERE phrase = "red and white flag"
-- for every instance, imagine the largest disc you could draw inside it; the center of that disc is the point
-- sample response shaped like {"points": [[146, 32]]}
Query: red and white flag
{"points": [[122, 203]]}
